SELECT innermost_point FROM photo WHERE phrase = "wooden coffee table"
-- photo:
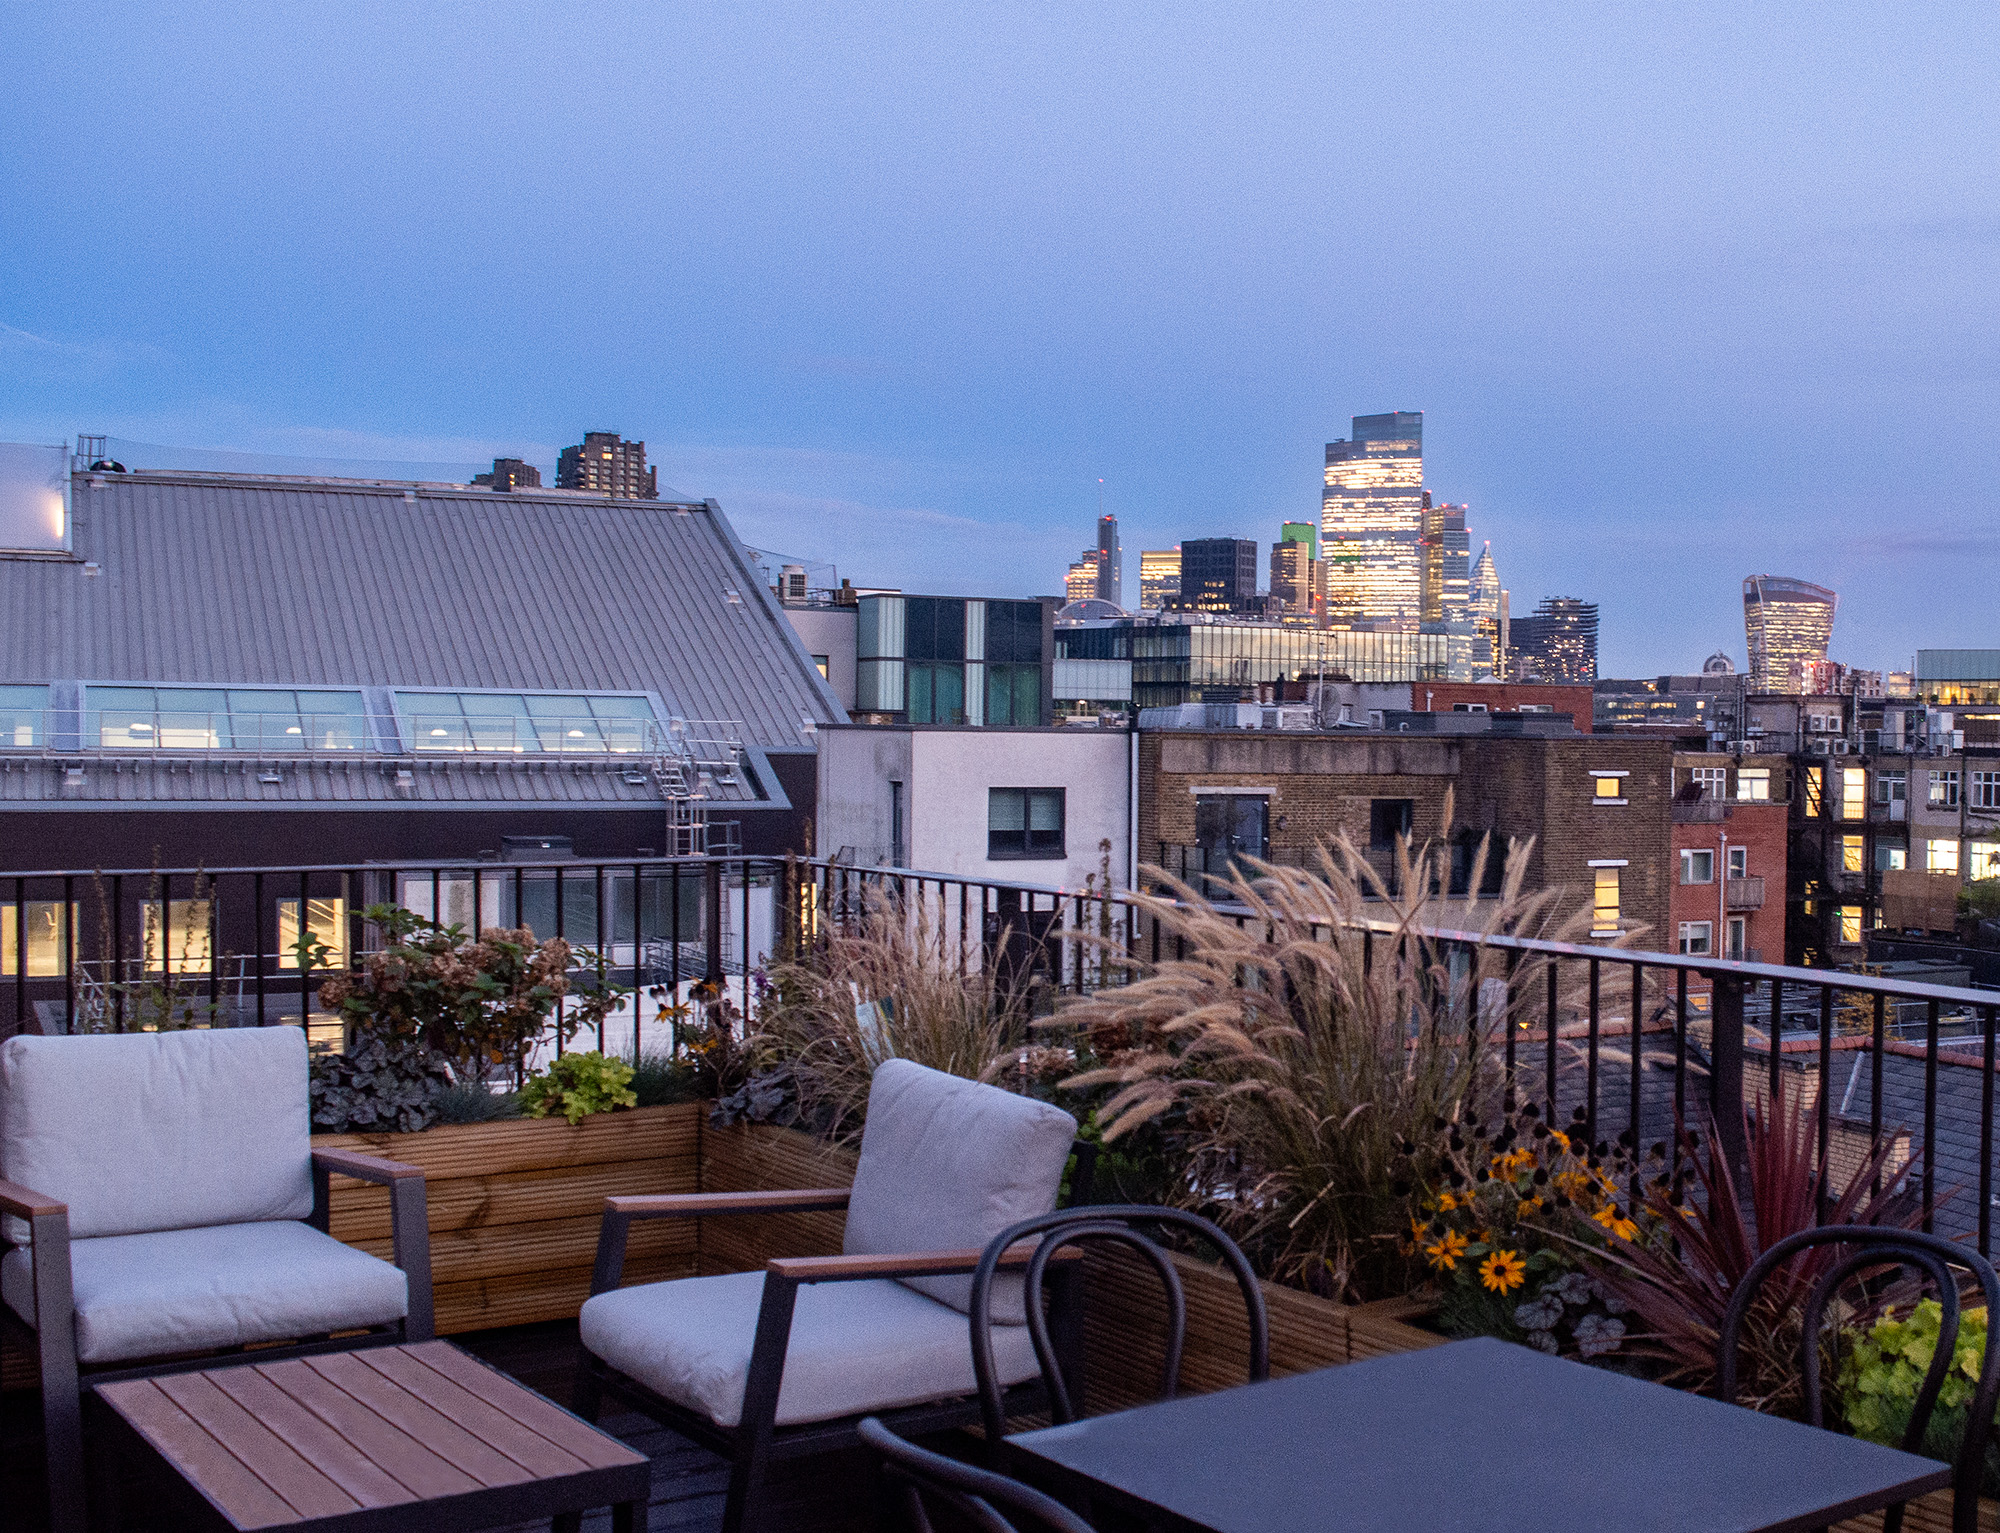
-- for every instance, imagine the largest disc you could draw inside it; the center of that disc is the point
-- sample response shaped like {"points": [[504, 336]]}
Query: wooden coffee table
{"points": [[409, 1439]]}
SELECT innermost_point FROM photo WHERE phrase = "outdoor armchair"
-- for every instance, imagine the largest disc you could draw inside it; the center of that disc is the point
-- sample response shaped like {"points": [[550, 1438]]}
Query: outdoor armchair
{"points": [[163, 1202], [788, 1360]]}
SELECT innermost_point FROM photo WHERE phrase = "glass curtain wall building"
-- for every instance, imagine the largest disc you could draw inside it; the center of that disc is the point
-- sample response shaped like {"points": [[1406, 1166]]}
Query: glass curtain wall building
{"points": [[1174, 663], [1218, 574], [1372, 519], [1788, 624], [1558, 641], [1159, 577], [951, 660], [1110, 563]]}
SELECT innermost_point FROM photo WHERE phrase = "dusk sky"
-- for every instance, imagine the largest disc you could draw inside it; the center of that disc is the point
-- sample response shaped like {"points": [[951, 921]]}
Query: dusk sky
{"points": [[1685, 292]]}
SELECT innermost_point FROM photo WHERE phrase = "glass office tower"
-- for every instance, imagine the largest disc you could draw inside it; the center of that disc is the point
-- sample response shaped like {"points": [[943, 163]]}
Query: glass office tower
{"points": [[1159, 577], [1110, 563], [1372, 519], [1788, 624]]}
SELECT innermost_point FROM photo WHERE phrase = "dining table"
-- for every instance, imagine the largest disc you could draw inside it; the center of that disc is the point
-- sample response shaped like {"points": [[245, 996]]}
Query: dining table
{"points": [[1477, 1436]]}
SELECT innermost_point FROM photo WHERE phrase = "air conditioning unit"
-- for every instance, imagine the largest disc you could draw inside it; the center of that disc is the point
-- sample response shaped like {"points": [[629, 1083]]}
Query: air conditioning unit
{"points": [[1817, 747], [1838, 747]]}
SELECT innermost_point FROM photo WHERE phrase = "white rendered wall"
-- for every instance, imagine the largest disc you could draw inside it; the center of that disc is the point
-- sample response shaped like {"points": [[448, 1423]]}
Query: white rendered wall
{"points": [[954, 768]]}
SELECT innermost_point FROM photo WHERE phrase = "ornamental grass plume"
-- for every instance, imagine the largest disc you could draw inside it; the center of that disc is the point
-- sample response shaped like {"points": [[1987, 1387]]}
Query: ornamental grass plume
{"points": [[899, 983], [1293, 1068]]}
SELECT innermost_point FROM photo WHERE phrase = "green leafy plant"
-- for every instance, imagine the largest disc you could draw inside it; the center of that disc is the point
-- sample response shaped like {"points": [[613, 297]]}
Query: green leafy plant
{"points": [[1980, 899], [577, 1085], [1885, 1365]]}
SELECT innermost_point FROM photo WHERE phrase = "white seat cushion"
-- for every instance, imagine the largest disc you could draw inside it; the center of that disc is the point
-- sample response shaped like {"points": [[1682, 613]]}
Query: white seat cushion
{"points": [[191, 1290], [947, 1164], [159, 1131], [856, 1347]]}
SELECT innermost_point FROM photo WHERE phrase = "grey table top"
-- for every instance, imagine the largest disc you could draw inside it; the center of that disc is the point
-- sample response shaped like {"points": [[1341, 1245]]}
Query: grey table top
{"points": [[1475, 1437]]}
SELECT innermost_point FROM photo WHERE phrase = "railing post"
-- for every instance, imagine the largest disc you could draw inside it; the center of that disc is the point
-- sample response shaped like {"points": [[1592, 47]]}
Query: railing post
{"points": [[714, 902], [1725, 1077]]}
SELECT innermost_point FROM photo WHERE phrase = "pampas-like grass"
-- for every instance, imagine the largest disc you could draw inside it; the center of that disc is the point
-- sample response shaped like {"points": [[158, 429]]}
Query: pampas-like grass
{"points": [[1301, 1079]]}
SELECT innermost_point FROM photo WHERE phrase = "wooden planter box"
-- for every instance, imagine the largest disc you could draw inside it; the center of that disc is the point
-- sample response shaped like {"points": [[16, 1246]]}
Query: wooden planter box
{"points": [[515, 1206]]}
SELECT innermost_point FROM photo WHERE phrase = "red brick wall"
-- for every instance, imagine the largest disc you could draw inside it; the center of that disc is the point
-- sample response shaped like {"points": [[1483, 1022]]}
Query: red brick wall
{"points": [[1502, 697], [1761, 828]]}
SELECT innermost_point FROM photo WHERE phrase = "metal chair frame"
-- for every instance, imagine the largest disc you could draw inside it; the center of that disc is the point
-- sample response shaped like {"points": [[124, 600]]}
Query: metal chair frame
{"points": [[1111, 1223], [1935, 1257], [979, 1495]]}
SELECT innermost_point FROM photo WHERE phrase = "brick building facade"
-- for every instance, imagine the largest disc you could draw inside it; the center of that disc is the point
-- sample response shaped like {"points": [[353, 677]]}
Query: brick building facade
{"points": [[1730, 836], [1502, 697], [1591, 812]]}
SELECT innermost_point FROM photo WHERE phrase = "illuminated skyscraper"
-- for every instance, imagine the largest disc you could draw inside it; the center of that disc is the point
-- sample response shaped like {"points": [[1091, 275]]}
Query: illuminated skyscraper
{"points": [[1788, 624], [1159, 577], [1110, 563], [1218, 574], [1301, 532], [1447, 549], [1372, 519], [1295, 575], [1487, 607], [1081, 581], [1558, 641]]}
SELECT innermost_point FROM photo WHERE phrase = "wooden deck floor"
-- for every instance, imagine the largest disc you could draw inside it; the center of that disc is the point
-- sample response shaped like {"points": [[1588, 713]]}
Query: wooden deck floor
{"points": [[832, 1493]]}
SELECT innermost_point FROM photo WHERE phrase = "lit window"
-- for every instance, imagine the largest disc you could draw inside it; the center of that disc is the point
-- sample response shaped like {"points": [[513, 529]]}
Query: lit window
{"points": [[1853, 793], [1852, 852], [1941, 854], [1739, 862], [1024, 823], [1815, 791], [262, 719], [820, 663], [1891, 859], [179, 929], [515, 723], [22, 717], [1608, 787], [1944, 790], [1753, 785], [1697, 867], [48, 939], [1982, 859], [1850, 923], [1604, 901], [1696, 937], [326, 922]]}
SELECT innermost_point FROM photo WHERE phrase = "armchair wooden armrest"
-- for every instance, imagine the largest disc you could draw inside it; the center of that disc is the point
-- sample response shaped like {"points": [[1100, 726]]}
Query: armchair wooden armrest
{"points": [[24, 1203], [619, 1212], [409, 1223], [907, 1264]]}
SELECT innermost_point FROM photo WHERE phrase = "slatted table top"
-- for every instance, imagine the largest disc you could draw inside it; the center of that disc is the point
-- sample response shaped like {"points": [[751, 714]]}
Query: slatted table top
{"points": [[349, 1439]]}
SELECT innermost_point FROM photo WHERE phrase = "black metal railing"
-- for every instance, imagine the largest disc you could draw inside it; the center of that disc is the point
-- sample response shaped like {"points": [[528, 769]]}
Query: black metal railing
{"points": [[1626, 1042]]}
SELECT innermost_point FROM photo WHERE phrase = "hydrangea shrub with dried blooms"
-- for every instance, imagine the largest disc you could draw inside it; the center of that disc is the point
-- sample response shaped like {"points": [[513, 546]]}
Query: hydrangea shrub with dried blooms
{"points": [[1302, 1032]]}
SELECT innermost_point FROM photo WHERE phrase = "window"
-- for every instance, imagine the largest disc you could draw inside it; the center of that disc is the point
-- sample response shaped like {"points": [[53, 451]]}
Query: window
{"points": [[820, 664], [1013, 694], [1985, 790], [517, 723], [1608, 787], [1695, 938], [1982, 859], [1739, 862], [21, 717], [1944, 790], [1890, 859], [1229, 824], [1711, 781], [1604, 901], [1853, 793], [1853, 852], [48, 938], [1024, 823], [1736, 945], [899, 831], [1849, 923], [1941, 854], [1815, 782], [1753, 785], [326, 921], [1697, 867], [936, 693], [1389, 821], [267, 719], [179, 929], [1891, 787]]}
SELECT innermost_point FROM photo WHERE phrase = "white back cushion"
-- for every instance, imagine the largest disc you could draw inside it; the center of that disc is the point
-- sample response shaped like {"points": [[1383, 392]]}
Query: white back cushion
{"points": [[160, 1131], [948, 1163]]}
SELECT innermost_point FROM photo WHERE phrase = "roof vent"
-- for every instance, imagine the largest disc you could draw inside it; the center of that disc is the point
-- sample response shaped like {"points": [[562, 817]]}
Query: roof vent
{"points": [[271, 778], [73, 777]]}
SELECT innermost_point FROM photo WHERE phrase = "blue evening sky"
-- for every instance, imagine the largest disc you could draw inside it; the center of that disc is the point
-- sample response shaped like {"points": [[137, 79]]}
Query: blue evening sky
{"points": [[1686, 292]]}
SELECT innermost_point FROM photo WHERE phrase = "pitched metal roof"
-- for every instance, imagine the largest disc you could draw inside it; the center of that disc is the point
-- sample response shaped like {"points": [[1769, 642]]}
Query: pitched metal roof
{"points": [[215, 579]]}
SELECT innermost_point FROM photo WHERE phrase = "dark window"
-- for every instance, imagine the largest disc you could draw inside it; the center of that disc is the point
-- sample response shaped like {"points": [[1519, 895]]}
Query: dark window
{"points": [[1013, 694], [1024, 823], [934, 628], [1014, 633], [1227, 825], [1389, 821], [896, 824], [935, 693]]}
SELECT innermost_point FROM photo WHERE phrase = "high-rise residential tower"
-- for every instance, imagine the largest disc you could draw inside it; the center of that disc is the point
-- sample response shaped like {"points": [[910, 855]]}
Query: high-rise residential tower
{"points": [[1788, 624], [1159, 577], [1110, 563], [1218, 574], [1557, 642], [607, 463], [510, 474], [1372, 520]]}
